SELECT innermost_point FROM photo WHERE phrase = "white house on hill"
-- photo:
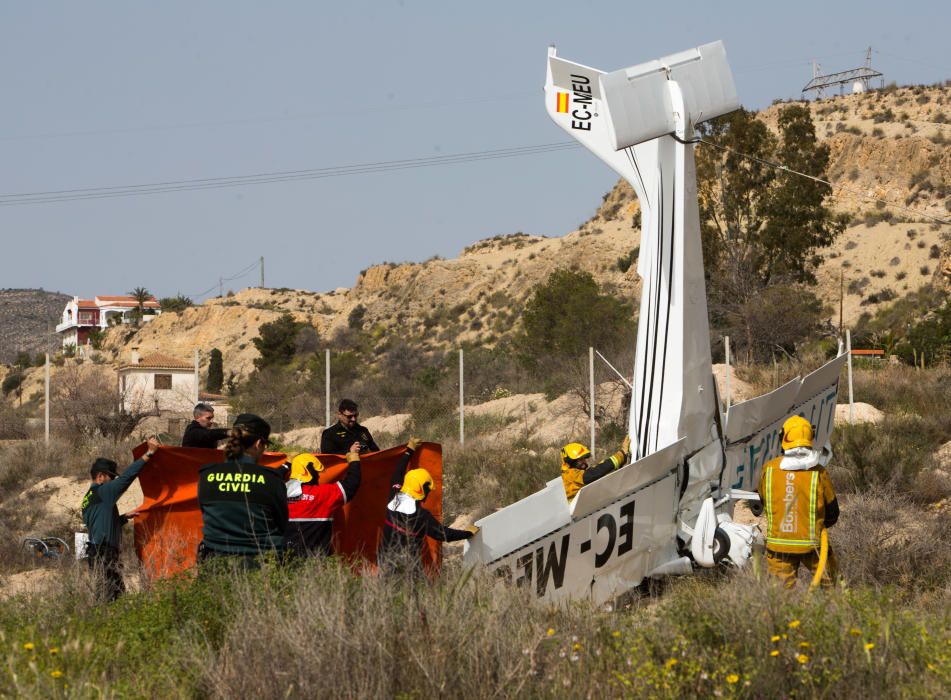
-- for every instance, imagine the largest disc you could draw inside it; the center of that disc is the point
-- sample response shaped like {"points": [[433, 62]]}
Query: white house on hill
{"points": [[158, 383], [81, 316]]}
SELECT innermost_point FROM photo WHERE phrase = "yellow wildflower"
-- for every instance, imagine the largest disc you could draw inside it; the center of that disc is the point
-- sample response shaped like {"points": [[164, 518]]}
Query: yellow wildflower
{"points": [[29, 646], [551, 631], [54, 651], [804, 645], [732, 678], [774, 652], [802, 658], [869, 646], [774, 638], [56, 674], [794, 624], [670, 663], [615, 633], [855, 631], [576, 647]]}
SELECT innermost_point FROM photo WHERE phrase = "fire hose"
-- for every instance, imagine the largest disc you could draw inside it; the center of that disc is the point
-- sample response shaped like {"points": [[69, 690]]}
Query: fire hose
{"points": [[823, 556]]}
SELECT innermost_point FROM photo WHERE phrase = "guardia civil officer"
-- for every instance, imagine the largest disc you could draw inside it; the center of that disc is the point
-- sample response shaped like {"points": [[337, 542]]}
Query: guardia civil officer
{"points": [[103, 522], [243, 504], [338, 438], [408, 523]]}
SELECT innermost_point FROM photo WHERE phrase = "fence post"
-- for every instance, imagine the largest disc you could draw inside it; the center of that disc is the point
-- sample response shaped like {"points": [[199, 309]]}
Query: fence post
{"points": [[462, 401], [591, 397], [726, 346], [848, 349], [46, 401], [197, 380], [327, 387]]}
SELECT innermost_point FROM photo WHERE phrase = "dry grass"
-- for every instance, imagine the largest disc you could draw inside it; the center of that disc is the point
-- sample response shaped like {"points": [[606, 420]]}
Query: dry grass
{"points": [[320, 631]]}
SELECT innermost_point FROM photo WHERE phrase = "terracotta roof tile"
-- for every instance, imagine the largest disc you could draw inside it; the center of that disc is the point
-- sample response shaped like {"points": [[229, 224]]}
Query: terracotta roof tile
{"points": [[159, 361], [120, 300]]}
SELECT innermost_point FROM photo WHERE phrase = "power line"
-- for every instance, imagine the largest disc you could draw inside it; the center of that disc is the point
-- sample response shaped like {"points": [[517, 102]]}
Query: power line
{"points": [[110, 192]]}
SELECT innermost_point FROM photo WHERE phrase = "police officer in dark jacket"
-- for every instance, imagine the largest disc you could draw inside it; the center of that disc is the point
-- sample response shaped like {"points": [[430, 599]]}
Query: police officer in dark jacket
{"points": [[243, 505], [199, 432], [407, 523], [337, 439], [103, 523]]}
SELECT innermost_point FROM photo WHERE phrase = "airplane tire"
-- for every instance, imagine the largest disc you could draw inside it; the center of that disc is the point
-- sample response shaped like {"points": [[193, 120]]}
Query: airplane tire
{"points": [[721, 545]]}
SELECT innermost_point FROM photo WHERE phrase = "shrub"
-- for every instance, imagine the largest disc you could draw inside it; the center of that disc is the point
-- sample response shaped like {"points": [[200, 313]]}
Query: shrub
{"points": [[176, 303], [625, 261]]}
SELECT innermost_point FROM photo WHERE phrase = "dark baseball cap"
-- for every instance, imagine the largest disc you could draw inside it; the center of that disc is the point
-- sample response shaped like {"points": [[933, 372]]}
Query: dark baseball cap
{"points": [[103, 466], [254, 425]]}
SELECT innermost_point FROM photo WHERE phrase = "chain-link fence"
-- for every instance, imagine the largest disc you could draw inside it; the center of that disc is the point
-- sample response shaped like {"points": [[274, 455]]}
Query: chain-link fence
{"points": [[453, 413]]}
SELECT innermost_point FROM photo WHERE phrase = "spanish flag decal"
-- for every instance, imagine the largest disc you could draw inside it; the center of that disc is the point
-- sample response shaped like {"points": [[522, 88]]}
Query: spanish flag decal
{"points": [[562, 101]]}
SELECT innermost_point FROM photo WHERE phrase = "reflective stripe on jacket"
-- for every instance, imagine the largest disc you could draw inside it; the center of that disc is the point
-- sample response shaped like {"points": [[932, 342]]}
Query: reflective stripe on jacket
{"points": [[795, 504]]}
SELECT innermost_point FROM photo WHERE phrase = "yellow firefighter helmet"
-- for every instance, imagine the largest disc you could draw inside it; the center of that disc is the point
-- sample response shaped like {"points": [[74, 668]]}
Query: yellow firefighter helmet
{"points": [[300, 470], [417, 484], [572, 453], [797, 432]]}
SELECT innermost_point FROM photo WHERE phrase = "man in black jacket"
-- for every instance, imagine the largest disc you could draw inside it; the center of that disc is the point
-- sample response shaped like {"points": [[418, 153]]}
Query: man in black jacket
{"points": [[200, 432], [339, 437]]}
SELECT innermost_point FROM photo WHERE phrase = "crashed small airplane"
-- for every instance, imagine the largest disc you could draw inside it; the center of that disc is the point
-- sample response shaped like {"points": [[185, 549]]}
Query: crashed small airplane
{"points": [[670, 510]]}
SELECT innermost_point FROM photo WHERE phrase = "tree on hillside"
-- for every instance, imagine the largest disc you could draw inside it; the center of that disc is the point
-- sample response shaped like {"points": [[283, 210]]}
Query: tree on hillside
{"points": [[176, 303], [141, 295], [565, 316], [762, 227], [276, 341], [216, 373], [23, 360]]}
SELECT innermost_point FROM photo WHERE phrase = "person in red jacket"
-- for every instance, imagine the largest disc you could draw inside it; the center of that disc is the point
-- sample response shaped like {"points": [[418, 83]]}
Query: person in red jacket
{"points": [[311, 506]]}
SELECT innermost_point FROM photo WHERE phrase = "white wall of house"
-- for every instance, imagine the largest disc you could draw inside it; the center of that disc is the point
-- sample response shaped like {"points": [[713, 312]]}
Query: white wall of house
{"points": [[137, 388]]}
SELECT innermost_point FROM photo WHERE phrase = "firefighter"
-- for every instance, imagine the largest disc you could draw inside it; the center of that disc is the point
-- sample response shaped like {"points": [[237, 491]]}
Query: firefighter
{"points": [[103, 522], [799, 501], [311, 505], [575, 471], [407, 522], [243, 505]]}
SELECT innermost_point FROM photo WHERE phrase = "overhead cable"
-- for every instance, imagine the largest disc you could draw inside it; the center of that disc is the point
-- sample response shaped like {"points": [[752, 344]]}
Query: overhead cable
{"points": [[280, 176]]}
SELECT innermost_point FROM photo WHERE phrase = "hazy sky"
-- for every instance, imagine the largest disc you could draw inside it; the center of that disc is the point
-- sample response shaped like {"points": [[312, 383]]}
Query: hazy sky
{"points": [[122, 93]]}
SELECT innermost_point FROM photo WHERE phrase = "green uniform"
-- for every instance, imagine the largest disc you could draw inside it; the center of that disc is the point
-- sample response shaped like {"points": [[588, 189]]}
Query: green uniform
{"points": [[100, 513], [243, 507]]}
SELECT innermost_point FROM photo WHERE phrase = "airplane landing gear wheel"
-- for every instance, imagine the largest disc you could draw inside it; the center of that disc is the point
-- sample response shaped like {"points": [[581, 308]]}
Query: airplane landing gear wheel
{"points": [[721, 545]]}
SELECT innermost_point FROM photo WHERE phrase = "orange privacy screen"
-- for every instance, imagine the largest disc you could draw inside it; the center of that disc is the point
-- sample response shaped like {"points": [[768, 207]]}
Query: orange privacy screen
{"points": [[168, 524]]}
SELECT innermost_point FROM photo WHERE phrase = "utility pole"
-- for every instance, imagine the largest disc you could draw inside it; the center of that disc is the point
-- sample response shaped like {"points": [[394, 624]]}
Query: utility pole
{"points": [[46, 402], [262, 272], [841, 297], [220, 286]]}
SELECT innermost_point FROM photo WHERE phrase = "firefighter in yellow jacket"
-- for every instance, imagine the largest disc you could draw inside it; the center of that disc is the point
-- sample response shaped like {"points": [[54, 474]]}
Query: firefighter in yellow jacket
{"points": [[797, 495], [575, 472]]}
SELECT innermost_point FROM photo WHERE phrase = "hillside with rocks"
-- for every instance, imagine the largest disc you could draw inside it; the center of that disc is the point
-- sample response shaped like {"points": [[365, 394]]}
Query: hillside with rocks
{"points": [[26, 317], [889, 144]]}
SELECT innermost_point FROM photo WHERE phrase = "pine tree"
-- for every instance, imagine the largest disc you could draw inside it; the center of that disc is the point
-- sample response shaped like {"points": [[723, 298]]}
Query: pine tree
{"points": [[216, 374]]}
